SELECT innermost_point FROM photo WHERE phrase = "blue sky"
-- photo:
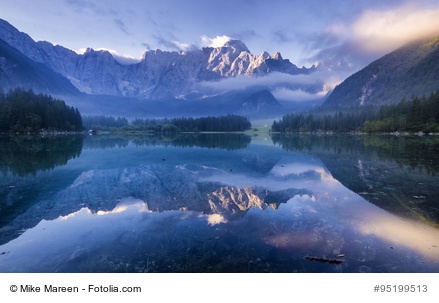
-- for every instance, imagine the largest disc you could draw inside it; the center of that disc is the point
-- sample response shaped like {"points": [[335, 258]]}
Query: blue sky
{"points": [[303, 31]]}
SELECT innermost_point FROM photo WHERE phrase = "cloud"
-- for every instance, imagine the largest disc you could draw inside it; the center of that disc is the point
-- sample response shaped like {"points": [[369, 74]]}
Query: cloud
{"points": [[121, 26], [284, 87], [215, 219], [277, 79], [383, 31], [80, 5], [246, 35], [282, 36], [324, 44], [218, 41], [272, 79], [344, 58], [297, 95], [167, 44], [81, 51], [349, 45], [173, 45], [122, 59]]}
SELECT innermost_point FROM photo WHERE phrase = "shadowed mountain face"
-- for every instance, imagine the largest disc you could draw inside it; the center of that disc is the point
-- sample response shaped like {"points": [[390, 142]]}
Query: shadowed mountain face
{"points": [[412, 70], [17, 70]]}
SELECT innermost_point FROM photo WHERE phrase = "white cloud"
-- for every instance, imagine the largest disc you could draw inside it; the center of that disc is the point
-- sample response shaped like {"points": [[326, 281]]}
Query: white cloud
{"points": [[182, 46], [215, 219], [81, 51], [122, 59], [296, 95], [218, 41], [351, 45], [272, 79], [283, 86], [386, 30], [337, 30]]}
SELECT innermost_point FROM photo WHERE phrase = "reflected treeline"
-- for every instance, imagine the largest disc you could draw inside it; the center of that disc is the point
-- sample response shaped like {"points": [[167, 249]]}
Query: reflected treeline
{"points": [[26, 155], [398, 174], [415, 152], [105, 141], [309, 143], [411, 151], [227, 141]]}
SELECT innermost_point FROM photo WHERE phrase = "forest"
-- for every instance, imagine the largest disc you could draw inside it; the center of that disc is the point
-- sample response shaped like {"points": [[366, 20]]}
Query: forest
{"points": [[24, 111], [228, 123], [414, 115]]}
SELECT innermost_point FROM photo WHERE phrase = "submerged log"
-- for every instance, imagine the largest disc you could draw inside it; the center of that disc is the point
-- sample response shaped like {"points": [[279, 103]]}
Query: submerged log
{"points": [[324, 260]]}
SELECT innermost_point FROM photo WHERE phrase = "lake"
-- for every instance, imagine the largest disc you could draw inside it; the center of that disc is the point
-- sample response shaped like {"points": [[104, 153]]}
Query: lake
{"points": [[219, 203]]}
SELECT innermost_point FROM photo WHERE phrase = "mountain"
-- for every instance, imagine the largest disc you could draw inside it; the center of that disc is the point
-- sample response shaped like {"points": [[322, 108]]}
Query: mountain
{"points": [[160, 75], [412, 70], [164, 75], [17, 70]]}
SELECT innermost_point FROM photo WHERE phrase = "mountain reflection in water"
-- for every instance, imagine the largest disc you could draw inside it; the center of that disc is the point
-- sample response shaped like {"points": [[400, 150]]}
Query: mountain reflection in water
{"points": [[140, 206]]}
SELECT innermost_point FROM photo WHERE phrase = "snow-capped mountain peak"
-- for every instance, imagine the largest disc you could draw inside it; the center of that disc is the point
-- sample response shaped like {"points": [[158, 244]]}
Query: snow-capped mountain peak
{"points": [[158, 75], [237, 45]]}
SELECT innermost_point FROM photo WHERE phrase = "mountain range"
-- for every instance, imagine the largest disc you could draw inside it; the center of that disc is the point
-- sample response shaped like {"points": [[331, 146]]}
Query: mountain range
{"points": [[158, 84], [205, 81]]}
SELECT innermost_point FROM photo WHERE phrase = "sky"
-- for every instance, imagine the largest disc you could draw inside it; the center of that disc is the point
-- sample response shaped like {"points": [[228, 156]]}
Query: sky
{"points": [[300, 30], [349, 33]]}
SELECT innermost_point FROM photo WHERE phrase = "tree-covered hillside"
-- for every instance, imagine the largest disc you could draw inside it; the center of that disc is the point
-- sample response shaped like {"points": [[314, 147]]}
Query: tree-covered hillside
{"points": [[417, 114], [23, 111], [412, 70]]}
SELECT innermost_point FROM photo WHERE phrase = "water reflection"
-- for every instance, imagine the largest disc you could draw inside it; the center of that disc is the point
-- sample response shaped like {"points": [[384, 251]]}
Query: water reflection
{"points": [[159, 207], [26, 155], [399, 232], [398, 174], [162, 187], [228, 141], [32, 166], [28, 168]]}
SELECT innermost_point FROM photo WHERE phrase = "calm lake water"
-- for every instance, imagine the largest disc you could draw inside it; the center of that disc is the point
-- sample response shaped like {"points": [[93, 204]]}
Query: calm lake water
{"points": [[219, 203]]}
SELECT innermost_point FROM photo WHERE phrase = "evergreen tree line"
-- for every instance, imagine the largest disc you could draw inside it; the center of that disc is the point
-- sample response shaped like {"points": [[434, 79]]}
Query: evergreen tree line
{"points": [[417, 114], [221, 123], [104, 122], [23, 110]]}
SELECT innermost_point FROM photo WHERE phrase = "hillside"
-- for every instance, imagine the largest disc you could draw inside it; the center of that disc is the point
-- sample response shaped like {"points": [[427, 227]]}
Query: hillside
{"points": [[17, 70], [412, 70]]}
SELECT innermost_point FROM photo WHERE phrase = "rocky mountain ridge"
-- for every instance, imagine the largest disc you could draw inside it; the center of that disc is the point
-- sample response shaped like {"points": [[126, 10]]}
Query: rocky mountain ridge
{"points": [[160, 75]]}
